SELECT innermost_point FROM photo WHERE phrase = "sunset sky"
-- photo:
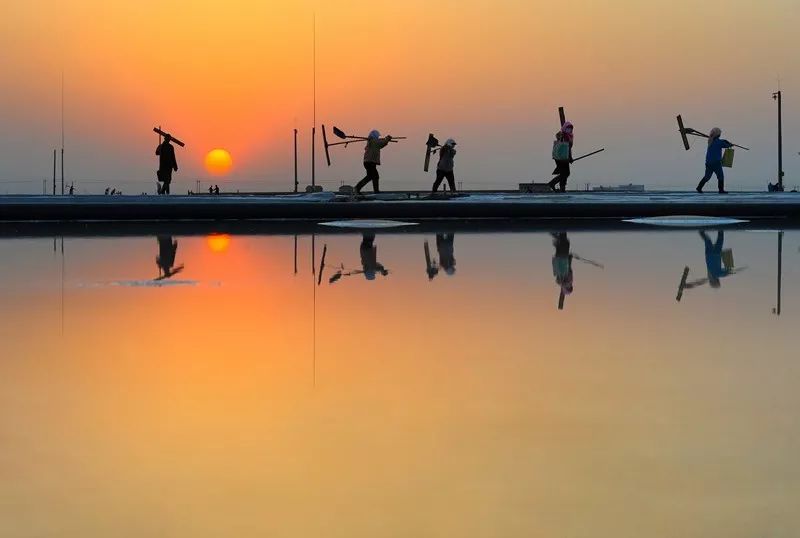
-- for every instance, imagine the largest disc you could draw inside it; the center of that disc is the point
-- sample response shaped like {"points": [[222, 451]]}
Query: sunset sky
{"points": [[238, 75]]}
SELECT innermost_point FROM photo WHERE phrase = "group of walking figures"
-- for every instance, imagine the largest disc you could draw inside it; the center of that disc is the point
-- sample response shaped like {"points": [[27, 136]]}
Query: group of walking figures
{"points": [[445, 169], [562, 155]]}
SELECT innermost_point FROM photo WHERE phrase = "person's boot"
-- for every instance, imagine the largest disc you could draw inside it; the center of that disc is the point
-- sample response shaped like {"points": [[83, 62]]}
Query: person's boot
{"points": [[722, 188], [700, 186]]}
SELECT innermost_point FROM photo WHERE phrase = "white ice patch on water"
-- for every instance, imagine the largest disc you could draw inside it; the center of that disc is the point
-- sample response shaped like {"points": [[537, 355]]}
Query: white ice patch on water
{"points": [[686, 221], [366, 224]]}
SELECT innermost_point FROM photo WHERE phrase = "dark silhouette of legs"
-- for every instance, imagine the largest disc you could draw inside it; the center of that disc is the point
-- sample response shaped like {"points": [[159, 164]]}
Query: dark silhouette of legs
{"points": [[713, 169], [562, 173], [439, 177], [372, 175]]}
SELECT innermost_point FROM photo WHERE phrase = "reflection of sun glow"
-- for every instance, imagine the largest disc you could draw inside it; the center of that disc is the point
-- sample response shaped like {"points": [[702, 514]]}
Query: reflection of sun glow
{"points": [[218, 242], [218, 162]]}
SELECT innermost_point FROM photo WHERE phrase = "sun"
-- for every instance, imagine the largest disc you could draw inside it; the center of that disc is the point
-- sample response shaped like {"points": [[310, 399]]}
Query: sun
{"points": [[218, 162], [218, 242]]}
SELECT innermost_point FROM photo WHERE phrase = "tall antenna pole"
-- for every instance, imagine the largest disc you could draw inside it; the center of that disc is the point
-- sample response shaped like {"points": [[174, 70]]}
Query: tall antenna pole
{"points": [[62, 133], [778, 97], [54, 172], [295, 165], [314, 107]]}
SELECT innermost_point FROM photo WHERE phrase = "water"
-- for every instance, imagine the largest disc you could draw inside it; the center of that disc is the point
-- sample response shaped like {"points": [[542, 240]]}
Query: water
{"points": [[239, 398]]}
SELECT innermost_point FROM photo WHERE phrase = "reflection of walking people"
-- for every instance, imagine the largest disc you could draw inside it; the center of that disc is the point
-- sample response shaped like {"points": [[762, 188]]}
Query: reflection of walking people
{"points": [[447, 259], [714, 263], [369, 257], [562, 264], [167, 249], [562, 155], [166, 164], [444, 170], [719, 264], [372, 159], [714, 160]]}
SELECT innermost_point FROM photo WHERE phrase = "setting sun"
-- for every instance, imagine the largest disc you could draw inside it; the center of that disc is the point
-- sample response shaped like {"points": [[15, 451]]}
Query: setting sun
{"points": [[218, 162], [218, 242]]}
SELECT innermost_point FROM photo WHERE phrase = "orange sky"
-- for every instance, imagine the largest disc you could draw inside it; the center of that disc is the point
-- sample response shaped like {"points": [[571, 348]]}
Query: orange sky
{"points": [[237, 75]]}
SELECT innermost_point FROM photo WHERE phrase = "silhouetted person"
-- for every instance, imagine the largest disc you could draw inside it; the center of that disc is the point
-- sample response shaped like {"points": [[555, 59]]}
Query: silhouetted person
{"points": [[107, 189], [714, 264], [714, 160], [369, 257], [72, 189], [562, 266], [447, 259], [562, 170], [166, 165], [113, 192], [167, 249], [216, 189], [372, 159], [444, 170], [211, 190]]}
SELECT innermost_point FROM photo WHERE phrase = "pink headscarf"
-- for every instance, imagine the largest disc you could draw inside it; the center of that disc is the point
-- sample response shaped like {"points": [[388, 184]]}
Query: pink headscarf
{"points": [[566, 130]]}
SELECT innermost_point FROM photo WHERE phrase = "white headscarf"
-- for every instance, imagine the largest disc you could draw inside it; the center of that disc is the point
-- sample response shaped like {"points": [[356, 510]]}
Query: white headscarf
{"points": [[715, 133], [450, 142]]}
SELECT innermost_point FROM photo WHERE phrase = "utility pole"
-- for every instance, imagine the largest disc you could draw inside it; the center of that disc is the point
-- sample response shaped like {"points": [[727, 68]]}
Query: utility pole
{"points": [[54, 172], [295, 165], [778, 97], [314, 129], [62, 134]]}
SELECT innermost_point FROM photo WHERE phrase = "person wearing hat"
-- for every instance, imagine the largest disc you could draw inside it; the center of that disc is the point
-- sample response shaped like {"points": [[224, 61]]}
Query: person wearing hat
{"points": [[166, 164], [714, 160], [372, 159], [446, 165]]}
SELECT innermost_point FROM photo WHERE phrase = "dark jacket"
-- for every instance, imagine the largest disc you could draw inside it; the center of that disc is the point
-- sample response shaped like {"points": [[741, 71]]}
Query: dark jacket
{"points": [[714, 151], [166, 157], [446, 158]]}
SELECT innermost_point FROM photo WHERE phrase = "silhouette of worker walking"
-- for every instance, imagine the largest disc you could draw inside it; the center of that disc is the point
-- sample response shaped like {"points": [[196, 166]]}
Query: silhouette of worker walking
{"points": [[372, 159], [714, 160], [565, 137], [444, 170], [166, 164]]}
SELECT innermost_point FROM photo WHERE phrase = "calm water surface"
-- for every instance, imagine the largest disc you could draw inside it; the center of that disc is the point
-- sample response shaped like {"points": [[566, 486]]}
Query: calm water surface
{"points": [[207, 386]]}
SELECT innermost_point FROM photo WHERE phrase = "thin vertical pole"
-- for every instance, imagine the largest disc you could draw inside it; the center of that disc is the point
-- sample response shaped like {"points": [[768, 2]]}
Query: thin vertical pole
{"points": [[62, 133], [295, 165], [295, 254], [314, 108], [54, 172], [780, 140]]}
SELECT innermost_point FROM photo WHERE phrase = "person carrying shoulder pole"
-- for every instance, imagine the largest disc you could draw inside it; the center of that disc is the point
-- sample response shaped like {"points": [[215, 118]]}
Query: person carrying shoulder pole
{"points": [[444, 170], [372, 159], [562, 157], [714, 160], [166, 164]]}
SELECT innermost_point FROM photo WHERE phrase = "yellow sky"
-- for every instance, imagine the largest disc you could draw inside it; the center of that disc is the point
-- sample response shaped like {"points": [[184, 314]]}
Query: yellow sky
{"points": [[238, 75]]}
